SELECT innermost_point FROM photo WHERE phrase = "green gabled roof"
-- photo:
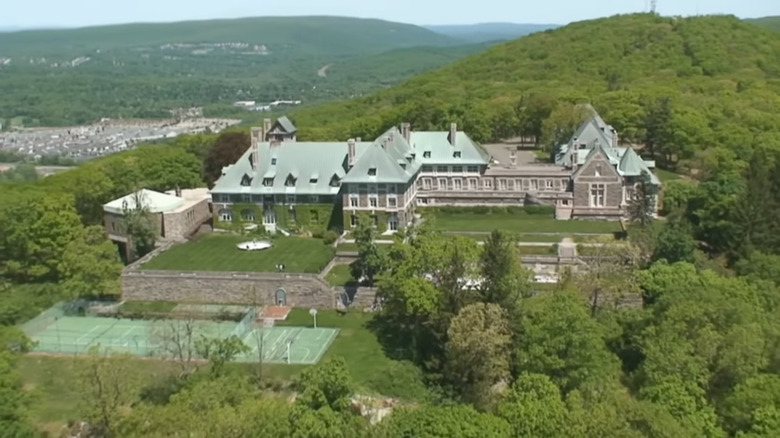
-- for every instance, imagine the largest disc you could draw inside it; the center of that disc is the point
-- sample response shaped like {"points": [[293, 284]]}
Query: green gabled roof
{"points": [[386, 156], [443, 153], [631, 164], [286, 124]]}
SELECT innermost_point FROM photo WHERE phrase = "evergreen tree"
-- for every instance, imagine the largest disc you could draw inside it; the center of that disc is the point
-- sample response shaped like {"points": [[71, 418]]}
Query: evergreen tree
{"points": [[641, 208]]}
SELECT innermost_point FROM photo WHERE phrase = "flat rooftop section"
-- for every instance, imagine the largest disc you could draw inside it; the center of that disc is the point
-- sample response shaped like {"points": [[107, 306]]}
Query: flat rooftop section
{"points": [[526, 160], [191, 197], [156, 202]]}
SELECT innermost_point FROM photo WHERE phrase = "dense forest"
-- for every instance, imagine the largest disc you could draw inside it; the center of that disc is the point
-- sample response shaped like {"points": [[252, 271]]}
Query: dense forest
{"points": [[76, 76], [714, 81], [699, 356]]}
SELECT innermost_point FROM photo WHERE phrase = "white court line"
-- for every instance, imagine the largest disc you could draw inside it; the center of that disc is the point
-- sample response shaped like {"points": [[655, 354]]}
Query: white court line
{"points": [[78, 340], [126, 334], [324, 346], [277, 343]]}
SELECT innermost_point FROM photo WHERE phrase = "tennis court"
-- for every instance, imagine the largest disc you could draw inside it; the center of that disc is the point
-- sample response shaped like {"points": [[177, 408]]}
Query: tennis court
{"points": [[55, 332]]}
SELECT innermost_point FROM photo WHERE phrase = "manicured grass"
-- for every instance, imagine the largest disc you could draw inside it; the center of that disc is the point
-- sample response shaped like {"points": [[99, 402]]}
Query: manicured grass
{"points": [[537, 250], [142, 307], [219, 253], [517, 223], [339, 275]]}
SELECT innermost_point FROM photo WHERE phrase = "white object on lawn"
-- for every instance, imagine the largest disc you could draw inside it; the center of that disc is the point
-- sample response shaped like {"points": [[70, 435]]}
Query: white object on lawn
{"points": [[255, 245]]}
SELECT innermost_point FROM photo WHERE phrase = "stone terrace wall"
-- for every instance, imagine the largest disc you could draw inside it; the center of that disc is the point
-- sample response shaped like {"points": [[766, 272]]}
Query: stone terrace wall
{"points": [[302, 290]]}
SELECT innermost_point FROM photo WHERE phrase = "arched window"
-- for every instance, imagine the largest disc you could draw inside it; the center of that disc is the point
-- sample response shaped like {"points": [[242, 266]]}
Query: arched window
{"points": [[248, 215], [225, 215]]}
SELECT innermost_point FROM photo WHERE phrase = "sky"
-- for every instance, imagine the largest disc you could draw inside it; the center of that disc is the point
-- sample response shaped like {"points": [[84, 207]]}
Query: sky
{"points": [[78, 13]]}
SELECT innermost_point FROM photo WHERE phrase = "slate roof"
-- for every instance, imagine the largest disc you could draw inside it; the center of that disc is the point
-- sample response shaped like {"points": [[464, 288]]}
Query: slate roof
{"points": [[390, 156], [630, 164], [442, 152], [156, 202], [286, 124]]}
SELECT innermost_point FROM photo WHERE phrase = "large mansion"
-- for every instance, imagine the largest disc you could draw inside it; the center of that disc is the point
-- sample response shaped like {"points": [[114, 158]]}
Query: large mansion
{"points": [[592, 176]]}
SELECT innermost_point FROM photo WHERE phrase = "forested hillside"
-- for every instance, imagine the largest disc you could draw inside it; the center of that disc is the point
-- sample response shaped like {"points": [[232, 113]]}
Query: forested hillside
{"points": [[715, 79], [484, 32], [770, 22], [76, 76]]}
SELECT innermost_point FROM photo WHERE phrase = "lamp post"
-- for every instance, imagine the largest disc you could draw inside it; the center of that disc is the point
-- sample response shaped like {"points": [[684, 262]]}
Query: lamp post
{"points": [[313, 313]]}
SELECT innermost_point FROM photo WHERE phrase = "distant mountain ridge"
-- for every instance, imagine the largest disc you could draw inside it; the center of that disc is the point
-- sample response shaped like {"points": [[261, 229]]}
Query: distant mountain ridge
{"points": [[483, 32], [770, 22]]}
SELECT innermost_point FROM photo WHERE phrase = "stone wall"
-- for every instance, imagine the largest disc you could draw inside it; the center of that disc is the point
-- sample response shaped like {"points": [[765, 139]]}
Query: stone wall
{"points": [[178, 225]]}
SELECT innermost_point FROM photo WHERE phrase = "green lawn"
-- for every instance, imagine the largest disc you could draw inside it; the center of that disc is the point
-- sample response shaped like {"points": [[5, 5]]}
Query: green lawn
{"points": [[537, 250], [339, 275], [219, 253], [665, 175], [518, 223]]}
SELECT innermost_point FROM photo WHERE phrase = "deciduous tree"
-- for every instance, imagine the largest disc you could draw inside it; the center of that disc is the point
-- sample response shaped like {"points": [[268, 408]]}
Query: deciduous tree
{"points": [[227, 149]]}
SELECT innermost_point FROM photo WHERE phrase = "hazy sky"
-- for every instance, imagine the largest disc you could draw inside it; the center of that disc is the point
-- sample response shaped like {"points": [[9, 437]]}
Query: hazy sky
{"points": [[71, 13]]}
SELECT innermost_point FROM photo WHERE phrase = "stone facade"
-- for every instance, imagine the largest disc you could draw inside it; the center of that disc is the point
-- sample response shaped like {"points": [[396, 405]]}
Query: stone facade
{"points": [[299, 290]]}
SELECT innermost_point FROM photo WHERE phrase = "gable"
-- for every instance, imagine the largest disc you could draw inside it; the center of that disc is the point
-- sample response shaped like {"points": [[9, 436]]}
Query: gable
{"points": [[597, 165]]}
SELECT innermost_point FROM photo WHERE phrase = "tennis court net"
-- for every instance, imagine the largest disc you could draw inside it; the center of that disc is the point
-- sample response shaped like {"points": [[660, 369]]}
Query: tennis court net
{"points": [[246, 324]]}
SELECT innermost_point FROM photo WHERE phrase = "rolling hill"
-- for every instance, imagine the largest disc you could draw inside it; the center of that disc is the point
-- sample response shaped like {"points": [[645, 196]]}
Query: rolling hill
{"points": [[770, 22], [721, 75], [75, 76], [484, 32]]}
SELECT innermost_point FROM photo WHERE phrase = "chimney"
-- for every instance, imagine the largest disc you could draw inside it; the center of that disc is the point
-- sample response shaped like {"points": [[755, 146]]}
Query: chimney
{"points": [[351, 152], [513, 158], [266, 128], [406, 130], [256, 139], [453, 132], [574, 155], [358, 140], [615, 142]]}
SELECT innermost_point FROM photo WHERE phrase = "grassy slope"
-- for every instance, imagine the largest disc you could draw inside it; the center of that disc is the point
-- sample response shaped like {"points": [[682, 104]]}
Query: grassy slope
{"points": [[303, 34], [219, 253], [723, 75]]}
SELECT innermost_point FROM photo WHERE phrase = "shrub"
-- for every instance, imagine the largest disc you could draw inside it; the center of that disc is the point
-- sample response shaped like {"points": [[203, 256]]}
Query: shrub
{"points": [[329, 237]]}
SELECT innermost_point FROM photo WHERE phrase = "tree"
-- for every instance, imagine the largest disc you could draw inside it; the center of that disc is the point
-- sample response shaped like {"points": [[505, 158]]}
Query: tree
{"points": [[14, 400], [478, 351], [658, 122], [227, 149], [178, 339], [108, 386], [675, 243], [531, 112], [220, 351], [609, 280], [562, 123], [641, 207], [370, 257], [139, 227], [328, 384], [454, 421], [90, 265], [534, 408], [504, 280]]}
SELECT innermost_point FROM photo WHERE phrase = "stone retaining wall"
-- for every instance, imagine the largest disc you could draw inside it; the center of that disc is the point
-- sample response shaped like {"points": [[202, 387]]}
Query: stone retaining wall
{"points": [[300, 290]]}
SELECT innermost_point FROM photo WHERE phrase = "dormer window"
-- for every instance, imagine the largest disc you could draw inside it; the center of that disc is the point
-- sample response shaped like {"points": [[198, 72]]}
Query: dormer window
{"points": [[268, 182], [273, 161], [372, 171], [290, 181], [403, 166], [334, 181], [598, 170], [427, 154], [246, 180], [456, 154], [313, 180]]}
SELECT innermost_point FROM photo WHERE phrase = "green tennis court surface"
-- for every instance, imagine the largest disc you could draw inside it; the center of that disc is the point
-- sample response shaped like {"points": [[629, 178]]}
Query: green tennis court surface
{"points": [[160, 338]]}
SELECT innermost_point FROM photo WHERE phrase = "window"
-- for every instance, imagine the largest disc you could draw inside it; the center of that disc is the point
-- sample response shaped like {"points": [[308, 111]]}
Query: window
{"points": [[548, 184], [457, 184], [223, 198], [473, 169], [353, 188], [427, 169], [526, 184], [427, 154], [248, 215], [442, 183], [313, 180], [225, 215], [456, 154], [472, 184], [518, 184], [422, 201], [426, 183], [457, 169], [598, 170], [597, 192], [290, 182], [353, 201], [334, 181], [290, 199], [246, 198], [534, 184], [246, 180], [564, 184], [629, 194], [441, 169], [273, 161], [502, 184], [372, 171], [353, 220], [373, 201], [382, 187], [487, 183], [268, 182], [392, 189], [392, 201], [314, 199]]}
